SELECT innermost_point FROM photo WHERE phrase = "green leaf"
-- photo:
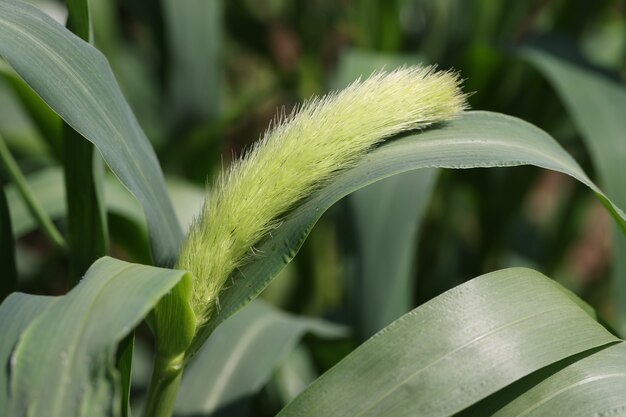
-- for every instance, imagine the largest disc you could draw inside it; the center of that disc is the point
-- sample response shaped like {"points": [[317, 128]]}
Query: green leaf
{"points": [[386, 218], [596, 105], [16, 313], [455, 350], [46, 121], [194, 38], [293, 376], [240, 357], [47, 185], [355, 63], [30, 200], [77, 82], [78, 18], [592, 386], [64, 363], [475, 140]]}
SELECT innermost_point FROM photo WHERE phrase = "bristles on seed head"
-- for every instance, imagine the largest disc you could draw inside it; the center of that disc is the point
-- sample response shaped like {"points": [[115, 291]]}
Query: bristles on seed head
{"points": [[300, 152]]}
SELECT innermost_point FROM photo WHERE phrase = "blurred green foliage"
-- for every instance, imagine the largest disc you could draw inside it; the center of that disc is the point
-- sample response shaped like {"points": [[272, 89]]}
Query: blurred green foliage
{"points": [[205, 77]]}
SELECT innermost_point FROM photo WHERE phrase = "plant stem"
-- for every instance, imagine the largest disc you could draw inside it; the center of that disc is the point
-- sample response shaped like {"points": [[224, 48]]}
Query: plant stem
{"points": [[87, 235], [29, 198], [166, 376]]}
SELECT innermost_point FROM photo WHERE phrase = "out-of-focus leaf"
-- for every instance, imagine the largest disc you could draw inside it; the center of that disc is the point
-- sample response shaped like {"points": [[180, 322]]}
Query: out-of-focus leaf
{"points": [[597, 107], [240, 357], [294, 375], [16, 313], [475, 140], [355, 63], [16, 126], [194, 37], [44, 119], [385, 219], [77, 82], [47, 185], [63, 364], [455, 350]]}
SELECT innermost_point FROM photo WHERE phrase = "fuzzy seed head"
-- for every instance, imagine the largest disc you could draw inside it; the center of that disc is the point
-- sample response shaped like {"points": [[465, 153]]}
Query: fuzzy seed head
{"points": [[301, 152]]}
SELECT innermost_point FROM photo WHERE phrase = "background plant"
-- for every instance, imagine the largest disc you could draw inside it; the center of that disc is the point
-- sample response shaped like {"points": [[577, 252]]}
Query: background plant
{"points": [[474, 221]]}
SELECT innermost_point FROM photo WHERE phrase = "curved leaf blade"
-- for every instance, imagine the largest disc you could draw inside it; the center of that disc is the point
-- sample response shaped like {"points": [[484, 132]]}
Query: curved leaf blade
{"points": [[77, 82], [595, 385], [596, 105], [475, 140], [64, 363], [455, 350], [240, 357], [16, 312]]}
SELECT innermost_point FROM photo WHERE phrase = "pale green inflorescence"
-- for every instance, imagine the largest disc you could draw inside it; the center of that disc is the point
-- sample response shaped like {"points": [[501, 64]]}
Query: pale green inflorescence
{"points": [[298, 154]]}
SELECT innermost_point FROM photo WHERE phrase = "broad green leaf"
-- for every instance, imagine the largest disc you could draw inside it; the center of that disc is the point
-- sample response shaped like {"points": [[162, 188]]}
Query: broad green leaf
{"points": [[475, 140], [16, 313], [76, 81], [8, 282], [455, 350], [240, 357], [596, 105], [194, 36], [381, 237], [64, 363], [592, 386]]}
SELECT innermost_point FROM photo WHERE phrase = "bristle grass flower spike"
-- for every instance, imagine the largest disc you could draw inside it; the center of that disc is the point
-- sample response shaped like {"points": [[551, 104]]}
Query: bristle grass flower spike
{"points": [[301, 152]]}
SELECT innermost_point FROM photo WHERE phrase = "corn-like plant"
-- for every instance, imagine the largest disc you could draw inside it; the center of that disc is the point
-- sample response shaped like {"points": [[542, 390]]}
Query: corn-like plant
{"points": [[509, 342]]}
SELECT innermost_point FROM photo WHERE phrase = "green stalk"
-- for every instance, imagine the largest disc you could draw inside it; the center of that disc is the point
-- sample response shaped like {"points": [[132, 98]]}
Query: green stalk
{"points": [[8, 283], [86, 218], [166, 375], [174, 325], [29, 198]]}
